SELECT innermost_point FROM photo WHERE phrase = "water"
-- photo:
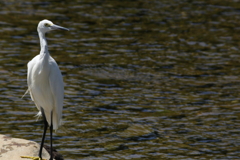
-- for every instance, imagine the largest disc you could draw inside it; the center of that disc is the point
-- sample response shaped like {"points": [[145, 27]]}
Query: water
{"points": [[144, 79]]}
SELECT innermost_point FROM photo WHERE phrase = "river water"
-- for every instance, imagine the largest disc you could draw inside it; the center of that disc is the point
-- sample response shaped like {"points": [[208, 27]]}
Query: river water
{"points": [[143, 79]]}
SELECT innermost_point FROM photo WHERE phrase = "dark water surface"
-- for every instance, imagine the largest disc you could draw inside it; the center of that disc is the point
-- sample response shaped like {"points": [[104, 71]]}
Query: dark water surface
{"points": [[144, 79]]}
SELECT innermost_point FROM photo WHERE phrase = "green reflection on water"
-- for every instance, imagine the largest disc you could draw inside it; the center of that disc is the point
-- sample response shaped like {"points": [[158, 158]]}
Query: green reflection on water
{"points": [[144, 79]]}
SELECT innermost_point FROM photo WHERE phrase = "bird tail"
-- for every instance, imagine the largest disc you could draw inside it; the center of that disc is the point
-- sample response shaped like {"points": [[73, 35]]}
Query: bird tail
{"points": [[57, 122]]}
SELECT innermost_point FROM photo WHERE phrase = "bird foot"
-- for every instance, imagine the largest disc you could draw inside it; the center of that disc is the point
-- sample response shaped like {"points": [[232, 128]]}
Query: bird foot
{"points": [[33, 158]]}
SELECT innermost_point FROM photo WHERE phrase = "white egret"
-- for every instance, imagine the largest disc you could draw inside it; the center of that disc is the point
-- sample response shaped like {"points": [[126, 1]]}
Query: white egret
{"points": [[45, 84]]}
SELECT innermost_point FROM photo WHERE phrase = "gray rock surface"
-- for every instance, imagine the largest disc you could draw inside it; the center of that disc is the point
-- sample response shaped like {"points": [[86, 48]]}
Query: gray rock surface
{"points": [[14, 148]]}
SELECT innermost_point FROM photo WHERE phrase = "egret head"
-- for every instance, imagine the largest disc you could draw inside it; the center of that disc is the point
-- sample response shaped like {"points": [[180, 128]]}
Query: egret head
{"points": [[45, 26]]}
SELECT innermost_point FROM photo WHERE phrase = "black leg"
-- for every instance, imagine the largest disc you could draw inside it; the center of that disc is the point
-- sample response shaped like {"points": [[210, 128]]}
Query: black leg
{"points": [[44, 132], [51, 130]]}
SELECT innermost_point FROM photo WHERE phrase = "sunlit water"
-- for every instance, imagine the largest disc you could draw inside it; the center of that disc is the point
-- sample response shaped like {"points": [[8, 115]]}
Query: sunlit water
{"points": [[143, 79]]}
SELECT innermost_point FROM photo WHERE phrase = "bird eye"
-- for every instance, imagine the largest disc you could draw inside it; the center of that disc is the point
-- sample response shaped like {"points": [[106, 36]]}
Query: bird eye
{"points": [[47, 25]]}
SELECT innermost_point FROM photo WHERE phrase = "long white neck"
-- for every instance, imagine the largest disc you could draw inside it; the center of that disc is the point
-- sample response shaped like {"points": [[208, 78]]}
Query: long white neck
{"points": [[44, 54], [43, 44]]}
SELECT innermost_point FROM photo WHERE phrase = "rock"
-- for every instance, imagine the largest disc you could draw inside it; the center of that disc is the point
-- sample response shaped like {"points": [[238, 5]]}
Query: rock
{"points": [[56, 155], [14, 148]]}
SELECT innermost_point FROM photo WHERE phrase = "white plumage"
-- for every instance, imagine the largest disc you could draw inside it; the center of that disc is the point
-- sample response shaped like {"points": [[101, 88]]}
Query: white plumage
{"points": [[45, 82], [46, 87]]}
